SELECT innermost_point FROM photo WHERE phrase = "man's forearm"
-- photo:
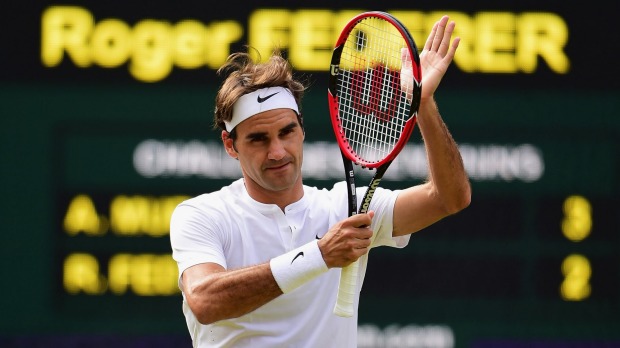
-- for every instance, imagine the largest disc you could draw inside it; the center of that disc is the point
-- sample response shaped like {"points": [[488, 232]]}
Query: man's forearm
{"points": [[230, 294], [446, 170]]}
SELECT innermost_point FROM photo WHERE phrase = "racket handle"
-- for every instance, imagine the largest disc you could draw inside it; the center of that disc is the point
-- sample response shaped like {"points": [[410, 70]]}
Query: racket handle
{"points": [[346, 290]]}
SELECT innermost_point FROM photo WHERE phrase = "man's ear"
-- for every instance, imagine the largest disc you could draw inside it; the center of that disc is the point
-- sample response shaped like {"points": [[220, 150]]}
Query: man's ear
{"points": [[228, 144]]}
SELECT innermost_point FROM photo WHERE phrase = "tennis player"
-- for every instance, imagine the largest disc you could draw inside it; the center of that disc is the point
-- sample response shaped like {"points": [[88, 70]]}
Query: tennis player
{"points": [[260, 259]]}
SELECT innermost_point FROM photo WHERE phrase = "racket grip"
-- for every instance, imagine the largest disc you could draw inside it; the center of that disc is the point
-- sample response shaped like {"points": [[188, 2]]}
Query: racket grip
{"points": [[346, 290]]}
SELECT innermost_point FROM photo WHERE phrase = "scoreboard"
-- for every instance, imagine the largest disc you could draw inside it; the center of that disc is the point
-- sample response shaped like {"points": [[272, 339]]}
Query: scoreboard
{"points": [[104, 134]]}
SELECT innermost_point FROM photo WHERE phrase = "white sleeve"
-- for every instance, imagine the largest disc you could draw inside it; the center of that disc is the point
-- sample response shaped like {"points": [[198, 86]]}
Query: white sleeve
{"points": [[194, 238], [383, 223], [382, 204]]}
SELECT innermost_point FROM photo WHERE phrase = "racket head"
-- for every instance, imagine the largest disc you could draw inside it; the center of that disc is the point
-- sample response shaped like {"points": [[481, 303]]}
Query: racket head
{"points": [[374, 88]]}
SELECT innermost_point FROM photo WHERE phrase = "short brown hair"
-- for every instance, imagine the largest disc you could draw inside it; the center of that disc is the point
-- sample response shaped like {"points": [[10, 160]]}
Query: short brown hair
{"points": [[244, 75]]}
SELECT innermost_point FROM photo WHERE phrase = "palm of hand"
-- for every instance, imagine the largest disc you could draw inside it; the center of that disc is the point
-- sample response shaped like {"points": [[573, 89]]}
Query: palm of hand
{"points": [[437, 55], [433, 69], [435, 59]]}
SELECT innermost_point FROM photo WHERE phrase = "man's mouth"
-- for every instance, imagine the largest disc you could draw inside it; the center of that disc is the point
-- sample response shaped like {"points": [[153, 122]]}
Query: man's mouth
{"points": [[277, 166]]}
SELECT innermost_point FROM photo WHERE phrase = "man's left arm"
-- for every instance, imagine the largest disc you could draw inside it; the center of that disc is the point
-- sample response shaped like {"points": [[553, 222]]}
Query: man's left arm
{"points": [[447, 189]]}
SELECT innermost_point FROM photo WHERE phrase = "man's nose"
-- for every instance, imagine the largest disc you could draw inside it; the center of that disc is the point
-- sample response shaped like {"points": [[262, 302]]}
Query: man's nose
{"points": [[276, 150]]}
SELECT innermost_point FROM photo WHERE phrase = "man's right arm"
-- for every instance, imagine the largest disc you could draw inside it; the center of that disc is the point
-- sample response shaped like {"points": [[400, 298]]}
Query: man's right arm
{"points": [[214, 293]]}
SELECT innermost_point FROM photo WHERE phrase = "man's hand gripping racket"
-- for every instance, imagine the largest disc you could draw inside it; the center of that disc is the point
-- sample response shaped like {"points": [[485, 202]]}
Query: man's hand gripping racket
{"points": [[374, 94]]}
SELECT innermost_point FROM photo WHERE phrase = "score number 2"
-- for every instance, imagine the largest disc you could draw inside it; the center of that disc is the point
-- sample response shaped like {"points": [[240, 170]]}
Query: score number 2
{"points": [[576, 226]]}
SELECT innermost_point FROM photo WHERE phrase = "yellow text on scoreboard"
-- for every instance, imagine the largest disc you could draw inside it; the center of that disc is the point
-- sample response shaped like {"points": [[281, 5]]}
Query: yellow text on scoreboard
{"points": [[491, 41]]}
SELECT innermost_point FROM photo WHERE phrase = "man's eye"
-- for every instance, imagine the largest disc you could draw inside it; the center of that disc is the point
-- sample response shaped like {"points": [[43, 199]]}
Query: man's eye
{"points": [[257, 139]]}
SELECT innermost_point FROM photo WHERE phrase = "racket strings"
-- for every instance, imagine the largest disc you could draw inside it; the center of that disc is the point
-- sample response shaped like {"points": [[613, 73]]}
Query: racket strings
{"points": [[372, 106]]}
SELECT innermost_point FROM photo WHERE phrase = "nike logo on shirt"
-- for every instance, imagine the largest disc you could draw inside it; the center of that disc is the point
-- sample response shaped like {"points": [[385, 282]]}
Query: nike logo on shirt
{"points": [[301, 253], [260, 100]]}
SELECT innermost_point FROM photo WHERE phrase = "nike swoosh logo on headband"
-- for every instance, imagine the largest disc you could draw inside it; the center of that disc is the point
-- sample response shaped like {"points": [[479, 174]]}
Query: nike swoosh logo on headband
{"points": [[260, 100]]}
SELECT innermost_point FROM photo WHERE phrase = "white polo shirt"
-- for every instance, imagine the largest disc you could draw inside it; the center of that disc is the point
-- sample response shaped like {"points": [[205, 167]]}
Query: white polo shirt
{"points": [[231, 229]]}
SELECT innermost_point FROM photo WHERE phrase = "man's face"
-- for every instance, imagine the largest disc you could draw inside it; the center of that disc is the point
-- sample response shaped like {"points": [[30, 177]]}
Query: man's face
{"points": [[269, 147]]}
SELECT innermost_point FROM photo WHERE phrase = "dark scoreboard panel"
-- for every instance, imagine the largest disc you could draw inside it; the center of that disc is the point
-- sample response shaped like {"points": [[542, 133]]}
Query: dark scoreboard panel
{"points": [[95, 158]]}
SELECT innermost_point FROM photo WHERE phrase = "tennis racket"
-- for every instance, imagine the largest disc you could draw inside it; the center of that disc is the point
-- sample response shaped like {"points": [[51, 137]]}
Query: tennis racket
{"points": [[374, 94]]}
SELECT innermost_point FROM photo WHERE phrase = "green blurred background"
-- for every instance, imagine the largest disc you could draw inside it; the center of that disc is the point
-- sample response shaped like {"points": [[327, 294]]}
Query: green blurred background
{"points": [[105, 123]]}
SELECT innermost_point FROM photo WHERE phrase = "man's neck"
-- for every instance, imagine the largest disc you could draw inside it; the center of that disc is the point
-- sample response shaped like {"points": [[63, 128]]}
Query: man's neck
{"points": [[282, 198]]}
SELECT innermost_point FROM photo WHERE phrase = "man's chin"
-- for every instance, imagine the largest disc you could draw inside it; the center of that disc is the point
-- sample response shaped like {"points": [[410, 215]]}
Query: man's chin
{"points": [[281, 184]]}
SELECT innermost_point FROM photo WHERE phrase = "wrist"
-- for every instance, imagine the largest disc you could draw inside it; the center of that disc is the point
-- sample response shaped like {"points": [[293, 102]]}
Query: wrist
{"points": [[298, 266]]}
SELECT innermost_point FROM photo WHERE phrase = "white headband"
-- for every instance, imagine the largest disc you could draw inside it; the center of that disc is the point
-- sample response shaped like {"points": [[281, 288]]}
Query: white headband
{"points": [[259, 101]]}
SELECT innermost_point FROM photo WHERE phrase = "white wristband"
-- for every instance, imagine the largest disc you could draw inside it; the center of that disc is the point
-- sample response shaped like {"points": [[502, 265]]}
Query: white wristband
{"points": [[298, 266]]}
